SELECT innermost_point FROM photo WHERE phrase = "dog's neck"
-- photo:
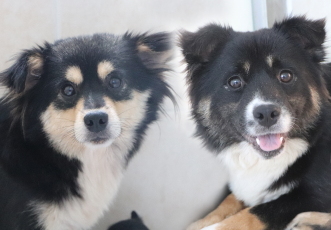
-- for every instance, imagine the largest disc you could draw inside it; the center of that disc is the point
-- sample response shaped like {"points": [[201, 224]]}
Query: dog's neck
{"points": [[251, 176], [98, 181]]}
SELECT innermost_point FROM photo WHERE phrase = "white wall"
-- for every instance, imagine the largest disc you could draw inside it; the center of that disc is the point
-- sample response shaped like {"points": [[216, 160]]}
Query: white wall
{"points": [[314, 10], [172, 181]]}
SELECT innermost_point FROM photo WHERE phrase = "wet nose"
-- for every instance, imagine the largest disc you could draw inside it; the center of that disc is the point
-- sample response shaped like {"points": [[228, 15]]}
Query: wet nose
{"points": [[266, 115], [96, 122]]}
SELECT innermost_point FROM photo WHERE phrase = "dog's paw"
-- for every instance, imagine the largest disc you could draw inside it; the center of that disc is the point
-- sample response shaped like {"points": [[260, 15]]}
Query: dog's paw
{"points": [[196, 225], [212, 227], [310, 221], [207, 221], [201, 224]]}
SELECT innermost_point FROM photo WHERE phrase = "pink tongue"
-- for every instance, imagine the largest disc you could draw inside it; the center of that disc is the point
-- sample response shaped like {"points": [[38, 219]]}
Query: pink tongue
{"points": [[270, 142]]}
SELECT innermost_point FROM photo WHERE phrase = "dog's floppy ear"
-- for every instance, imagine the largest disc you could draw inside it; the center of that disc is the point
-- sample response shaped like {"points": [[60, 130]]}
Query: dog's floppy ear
{"points": [[201, 46], [135, 216], [309, 34], [25, 72], [155, 50]]}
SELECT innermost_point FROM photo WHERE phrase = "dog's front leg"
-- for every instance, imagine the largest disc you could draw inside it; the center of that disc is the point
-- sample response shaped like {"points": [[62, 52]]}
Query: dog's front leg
{"points": [[244, 220], [273, 215], [228, 207], [311, 221]]}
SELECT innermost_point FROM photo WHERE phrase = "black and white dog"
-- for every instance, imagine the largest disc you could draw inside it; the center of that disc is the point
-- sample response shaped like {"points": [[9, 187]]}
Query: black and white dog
{"points": [[75, 112], [261, 103]]}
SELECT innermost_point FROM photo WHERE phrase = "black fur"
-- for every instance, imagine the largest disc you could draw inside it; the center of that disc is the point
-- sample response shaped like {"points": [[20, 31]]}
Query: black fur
{"points": [[31, 170], [214, 54], [135, 223], [315, 227]]}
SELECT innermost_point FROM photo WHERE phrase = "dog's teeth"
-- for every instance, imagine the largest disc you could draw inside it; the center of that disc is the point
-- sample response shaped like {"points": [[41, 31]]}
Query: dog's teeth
{"points": [[281, 139], [258, 141]]}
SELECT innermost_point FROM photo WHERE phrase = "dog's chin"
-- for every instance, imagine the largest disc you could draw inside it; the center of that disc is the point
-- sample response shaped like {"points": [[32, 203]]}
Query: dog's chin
{"points": [[99, 142], [268, 145], [270, 154]]}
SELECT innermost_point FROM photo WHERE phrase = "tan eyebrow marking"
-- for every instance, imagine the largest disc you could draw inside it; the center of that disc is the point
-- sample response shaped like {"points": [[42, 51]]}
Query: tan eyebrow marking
{"points": [[270, 60], [104, 68], [74, 74], [247, 66]]}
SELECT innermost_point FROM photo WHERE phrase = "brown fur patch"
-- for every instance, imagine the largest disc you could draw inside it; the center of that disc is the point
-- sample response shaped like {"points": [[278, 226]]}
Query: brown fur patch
{"points": [[307, 220], [144, 48], [104, 68], [311, 111], [59, 126], [152, 59], [315, 99], [132, 111], [66, 128], [247, 67], [270, 60], [35, 67], [227, 208], [204, 111], [244, 220], [74, 74]]}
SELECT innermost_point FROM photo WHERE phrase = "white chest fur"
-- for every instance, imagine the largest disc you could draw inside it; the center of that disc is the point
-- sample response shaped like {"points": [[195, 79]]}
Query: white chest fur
{"points": [[102, 171], [251, 175]]}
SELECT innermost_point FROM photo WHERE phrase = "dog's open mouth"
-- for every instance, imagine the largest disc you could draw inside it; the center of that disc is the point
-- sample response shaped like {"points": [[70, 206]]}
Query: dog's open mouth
{"points": [[99, 140], [269, 145], [270, 142]]}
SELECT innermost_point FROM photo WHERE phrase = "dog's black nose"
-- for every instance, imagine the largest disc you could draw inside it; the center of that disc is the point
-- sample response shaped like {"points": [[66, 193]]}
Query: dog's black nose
{"points": [[96, 122], [266, 115]]}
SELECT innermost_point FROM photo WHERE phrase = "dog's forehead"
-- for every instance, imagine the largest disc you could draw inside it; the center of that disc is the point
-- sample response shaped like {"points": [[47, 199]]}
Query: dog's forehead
{"points": [[85, 58], [256, 45], [85, 45], [77, 73], [74, 74], [256, 51], [89, 50], [104, 68]]}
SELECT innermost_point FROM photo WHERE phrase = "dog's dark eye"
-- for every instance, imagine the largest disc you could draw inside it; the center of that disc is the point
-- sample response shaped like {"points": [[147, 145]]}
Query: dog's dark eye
{"points": [[235, 82], [286, 76], [115, 82], [68, 90]]}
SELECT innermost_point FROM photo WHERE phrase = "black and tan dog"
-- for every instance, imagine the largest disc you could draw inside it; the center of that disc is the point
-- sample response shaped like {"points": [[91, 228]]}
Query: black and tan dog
{"points": [[76, 111], [261, 103]]}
